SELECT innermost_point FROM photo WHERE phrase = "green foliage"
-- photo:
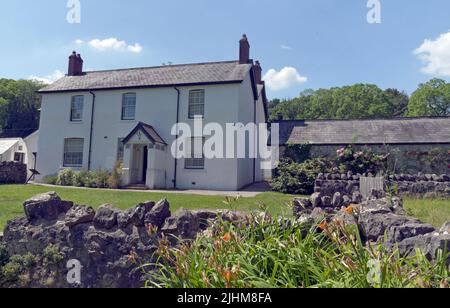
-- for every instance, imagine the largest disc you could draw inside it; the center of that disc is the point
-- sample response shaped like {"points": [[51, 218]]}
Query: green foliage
{"points": [[101, 178], [17, 265], [65, 177], [19, 107], [364, 161], [82, 179], [267, 256], [295, 178], [298, 152], [115, 179], [430, 99], [52, 255], [350, 102]]}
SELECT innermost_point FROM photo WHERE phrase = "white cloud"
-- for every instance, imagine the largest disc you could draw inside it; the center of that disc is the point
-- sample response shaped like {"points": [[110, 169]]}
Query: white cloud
{"points": [[286, 47], [49, 79], [284, 79], [112, 44], [435, 54]]}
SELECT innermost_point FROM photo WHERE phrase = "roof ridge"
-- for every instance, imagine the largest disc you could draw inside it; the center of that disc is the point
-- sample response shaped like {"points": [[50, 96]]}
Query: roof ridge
{"points": [[362, 119], [161, 66]]}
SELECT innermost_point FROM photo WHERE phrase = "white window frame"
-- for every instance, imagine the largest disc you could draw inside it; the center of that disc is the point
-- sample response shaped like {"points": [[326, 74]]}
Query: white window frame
{"points": [[196, 103], [129, 103], [76, 108], [120, 149], [193, 161], [73, 157]]}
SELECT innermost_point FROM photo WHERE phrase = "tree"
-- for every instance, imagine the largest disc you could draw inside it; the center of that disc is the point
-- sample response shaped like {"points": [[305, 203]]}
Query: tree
{"points": [[19, 107], [430, 99], [399, 102]]}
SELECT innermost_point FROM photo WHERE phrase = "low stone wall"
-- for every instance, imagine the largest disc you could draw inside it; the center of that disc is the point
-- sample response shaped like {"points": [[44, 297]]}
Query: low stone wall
{"points": [[109, 244], [380, 220], [421, 185], [13, 173]]}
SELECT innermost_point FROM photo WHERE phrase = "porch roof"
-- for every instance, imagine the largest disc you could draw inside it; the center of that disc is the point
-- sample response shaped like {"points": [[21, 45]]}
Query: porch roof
{"points": [[148, 131]]}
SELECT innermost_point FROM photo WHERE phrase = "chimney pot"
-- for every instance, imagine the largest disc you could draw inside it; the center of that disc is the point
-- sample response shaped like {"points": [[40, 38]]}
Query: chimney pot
{"points": [[258, 72], [244, 50], [75, 64]]}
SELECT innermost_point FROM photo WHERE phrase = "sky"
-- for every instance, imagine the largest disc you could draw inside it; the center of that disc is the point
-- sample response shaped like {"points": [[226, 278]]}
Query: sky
{"points": [[301, 44]]}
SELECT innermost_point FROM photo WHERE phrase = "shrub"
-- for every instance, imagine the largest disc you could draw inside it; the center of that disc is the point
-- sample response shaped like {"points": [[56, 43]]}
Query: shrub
{"points": [[364, 161], [52, 255], [81, 179], [100, 178], [65, 177], [294, 178], [115, 179], [50, 179]]}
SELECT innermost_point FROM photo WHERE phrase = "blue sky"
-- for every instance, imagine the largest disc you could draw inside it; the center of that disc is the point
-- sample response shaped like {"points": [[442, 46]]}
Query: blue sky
{"points": [[318, 43]]}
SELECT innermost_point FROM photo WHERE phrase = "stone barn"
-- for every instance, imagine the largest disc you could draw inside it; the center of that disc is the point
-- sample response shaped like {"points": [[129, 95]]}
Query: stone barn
{"points": [[415, 144]]}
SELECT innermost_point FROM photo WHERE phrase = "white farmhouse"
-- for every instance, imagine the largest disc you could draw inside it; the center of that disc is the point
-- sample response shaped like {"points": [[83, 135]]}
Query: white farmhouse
{"points": [[91, 120]]}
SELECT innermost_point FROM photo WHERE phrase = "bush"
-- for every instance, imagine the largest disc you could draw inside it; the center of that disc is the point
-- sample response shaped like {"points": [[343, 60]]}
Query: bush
{"points": [[100, 178], [294, 178], [82, 179], [115, 179], [65, 177], [50, 179], [364, 161], [4, 257]]}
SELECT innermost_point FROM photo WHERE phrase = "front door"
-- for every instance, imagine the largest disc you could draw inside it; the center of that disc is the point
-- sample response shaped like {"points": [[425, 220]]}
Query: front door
{"points": [[145, 164]]}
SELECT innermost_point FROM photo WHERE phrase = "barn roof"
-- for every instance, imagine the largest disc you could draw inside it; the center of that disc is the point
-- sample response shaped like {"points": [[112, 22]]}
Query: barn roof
{"points": [[427, 130]]}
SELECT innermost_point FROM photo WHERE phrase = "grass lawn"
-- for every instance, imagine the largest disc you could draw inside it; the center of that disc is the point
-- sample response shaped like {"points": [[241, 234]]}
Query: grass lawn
{"points": [[13, 196], [435, 212]]}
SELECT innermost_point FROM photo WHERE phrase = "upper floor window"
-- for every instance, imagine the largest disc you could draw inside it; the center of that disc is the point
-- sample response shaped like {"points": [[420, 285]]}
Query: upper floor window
{"points": [[196, 103], [129, 106], [73, 152], [76, 108]]}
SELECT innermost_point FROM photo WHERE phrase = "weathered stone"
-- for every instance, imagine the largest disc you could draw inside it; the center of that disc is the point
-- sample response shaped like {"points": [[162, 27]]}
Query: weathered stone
{"points": [[346, 200], [135, 216], [428, 244], [316, 199], [79, 214], [326, 201], [357, 197], [106, 217], [183, 224], [398, 233], [337, 200], [47, 206], [374, 225], [158, 214], [300, 205], [445, 229]]}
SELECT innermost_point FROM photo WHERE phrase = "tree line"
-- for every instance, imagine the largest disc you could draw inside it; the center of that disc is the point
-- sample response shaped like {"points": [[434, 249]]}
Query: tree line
{"points": [[19, 107], [365, 101]]}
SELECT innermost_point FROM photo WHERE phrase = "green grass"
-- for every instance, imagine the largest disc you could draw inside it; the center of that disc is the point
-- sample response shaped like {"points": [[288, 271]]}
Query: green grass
{"points": [[435, 212], [13, 196]]}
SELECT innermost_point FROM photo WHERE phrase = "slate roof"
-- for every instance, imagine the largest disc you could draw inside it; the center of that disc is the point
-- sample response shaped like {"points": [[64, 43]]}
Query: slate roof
{"points": [[366, 132], [161, 76], [148, 131], [7, 143]]}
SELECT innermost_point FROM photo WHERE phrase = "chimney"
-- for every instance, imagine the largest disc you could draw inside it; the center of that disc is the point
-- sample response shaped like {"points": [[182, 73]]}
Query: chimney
{"points": [[258, 72], [75, 65], [244, 50]]}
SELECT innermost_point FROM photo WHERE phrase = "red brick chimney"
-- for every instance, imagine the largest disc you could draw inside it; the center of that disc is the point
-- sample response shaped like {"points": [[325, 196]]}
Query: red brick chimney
{"points": [[258, 72], [75, 65], [244, 50]]}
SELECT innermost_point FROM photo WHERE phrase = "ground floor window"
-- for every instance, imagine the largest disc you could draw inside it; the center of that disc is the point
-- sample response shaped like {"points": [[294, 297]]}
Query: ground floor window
{"points": [[73, 152], [195, 158], [19, 157]]}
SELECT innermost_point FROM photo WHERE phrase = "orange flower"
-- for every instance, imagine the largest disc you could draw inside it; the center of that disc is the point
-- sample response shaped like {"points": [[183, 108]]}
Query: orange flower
{"points": [[350, 210], [323, 226], [227, 237], [228, 278]]}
